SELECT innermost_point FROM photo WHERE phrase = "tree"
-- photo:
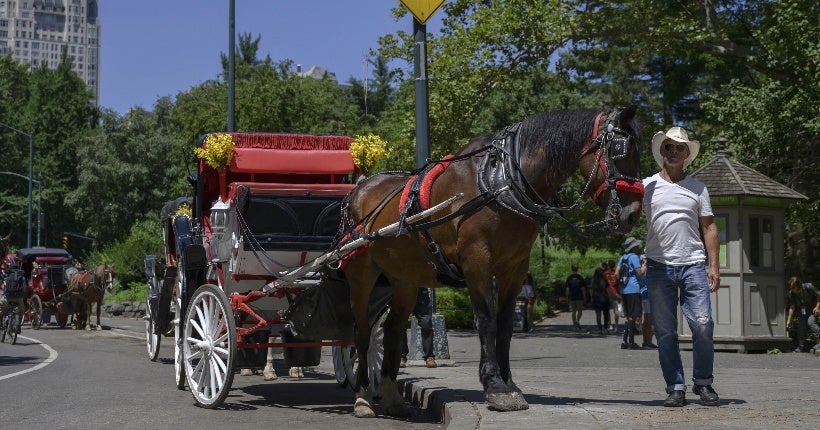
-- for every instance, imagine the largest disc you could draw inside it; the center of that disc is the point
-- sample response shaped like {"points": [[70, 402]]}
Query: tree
{"points": [[124, 174]]}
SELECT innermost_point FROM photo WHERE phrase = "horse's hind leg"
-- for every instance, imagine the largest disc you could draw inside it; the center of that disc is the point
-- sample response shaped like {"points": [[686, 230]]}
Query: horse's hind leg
{"points": [[99, 306], [401, 304], [361, 275], [268, 373]]}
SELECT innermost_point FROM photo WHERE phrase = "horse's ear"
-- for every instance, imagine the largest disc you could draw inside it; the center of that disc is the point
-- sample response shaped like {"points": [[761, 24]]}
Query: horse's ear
{"points": [[6, 239], [627, 114]]}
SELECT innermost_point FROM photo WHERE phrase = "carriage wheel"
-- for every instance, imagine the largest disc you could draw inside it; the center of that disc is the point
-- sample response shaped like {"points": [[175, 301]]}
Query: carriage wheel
{"points": [[179, 369], [5, 330], [209, 346], [15, 327], [349, 358], [152, 339], [339, 364], [35, 313]]}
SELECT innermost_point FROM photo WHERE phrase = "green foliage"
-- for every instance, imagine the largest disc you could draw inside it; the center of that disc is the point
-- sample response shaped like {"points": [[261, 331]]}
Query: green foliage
{"points": [[128, 254], [133, 292]]}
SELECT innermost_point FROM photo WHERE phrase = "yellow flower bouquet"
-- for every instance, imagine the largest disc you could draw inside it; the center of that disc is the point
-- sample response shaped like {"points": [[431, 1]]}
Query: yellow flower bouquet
{"points": [[368, 151], [218, 150]]}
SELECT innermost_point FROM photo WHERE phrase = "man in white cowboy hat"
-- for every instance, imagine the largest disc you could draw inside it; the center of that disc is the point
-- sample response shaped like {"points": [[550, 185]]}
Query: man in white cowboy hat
{"points": [[678, 209]]}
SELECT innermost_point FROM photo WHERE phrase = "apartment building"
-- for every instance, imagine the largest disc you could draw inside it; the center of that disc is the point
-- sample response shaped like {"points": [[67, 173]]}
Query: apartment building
{"points": [[37, 32]]}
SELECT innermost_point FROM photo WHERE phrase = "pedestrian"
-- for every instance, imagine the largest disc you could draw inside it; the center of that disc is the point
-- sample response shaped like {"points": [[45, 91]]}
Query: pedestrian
{"points": [[528, 291], [629, 268], [614, 295], [600, 299], [423, 311], [647, 329], [682, 268], [576, 296], [804, 302]]}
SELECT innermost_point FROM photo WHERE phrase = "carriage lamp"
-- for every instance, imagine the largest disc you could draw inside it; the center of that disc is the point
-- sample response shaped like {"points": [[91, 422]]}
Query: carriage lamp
{"points": [[219, 219]]}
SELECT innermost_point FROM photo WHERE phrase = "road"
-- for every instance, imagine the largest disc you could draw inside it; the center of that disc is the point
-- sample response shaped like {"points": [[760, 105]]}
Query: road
{"points": [[67, 379]]}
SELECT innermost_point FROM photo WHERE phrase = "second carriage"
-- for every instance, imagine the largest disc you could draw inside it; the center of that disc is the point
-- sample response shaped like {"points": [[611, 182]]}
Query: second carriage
{"points": [[222, 294]]}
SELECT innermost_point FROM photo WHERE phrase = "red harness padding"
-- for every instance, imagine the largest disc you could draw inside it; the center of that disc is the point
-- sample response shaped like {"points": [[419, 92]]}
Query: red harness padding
{"points": [[426, 184], [346, 259]]}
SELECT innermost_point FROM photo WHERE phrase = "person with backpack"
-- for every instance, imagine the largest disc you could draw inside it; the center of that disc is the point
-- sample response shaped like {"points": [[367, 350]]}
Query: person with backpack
{"points": [[576, 296], [15, 290], [629, 268]]}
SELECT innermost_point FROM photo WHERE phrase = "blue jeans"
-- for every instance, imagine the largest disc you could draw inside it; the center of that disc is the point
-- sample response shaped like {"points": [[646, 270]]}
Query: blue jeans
{"points": [[689, 287]]}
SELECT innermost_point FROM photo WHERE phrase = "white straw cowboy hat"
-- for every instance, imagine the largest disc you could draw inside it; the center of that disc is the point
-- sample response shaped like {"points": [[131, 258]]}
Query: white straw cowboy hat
{"points": [[630, 243], [678, 134]]}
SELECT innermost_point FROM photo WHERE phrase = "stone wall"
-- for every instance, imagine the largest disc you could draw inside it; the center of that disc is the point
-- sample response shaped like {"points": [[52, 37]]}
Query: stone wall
{"points": [[125, 309]]}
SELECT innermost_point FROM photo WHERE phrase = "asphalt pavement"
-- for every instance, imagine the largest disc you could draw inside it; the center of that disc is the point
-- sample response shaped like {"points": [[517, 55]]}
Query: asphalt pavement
{"points": [[583, 380]]}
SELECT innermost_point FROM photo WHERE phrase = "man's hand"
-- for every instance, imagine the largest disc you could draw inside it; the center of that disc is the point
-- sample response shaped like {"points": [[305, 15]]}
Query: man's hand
{"points": [[713, 275]]}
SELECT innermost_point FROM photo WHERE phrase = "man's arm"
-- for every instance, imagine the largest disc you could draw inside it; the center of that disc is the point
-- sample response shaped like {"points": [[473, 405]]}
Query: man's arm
{"points": [[710, 237]]}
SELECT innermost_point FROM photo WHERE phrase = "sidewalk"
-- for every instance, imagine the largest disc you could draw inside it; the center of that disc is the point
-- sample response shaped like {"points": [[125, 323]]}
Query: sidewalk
{"points": [[574, 380]]}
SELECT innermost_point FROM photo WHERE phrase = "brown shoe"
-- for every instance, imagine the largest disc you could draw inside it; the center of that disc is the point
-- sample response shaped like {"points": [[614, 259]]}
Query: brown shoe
{"points": [[430, 362], [403, 363]]}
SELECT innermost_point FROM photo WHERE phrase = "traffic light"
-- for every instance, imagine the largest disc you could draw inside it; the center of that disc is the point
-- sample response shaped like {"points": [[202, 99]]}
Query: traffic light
{"points": [[65, 242]]}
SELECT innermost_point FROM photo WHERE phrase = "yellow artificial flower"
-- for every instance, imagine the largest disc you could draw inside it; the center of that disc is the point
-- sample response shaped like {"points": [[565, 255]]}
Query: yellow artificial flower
{"points": [[184, 209], [218, 150], [368, 151]]}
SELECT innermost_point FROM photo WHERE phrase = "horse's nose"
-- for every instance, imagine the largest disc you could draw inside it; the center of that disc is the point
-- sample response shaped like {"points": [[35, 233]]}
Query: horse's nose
{"points": [[630, 215]]}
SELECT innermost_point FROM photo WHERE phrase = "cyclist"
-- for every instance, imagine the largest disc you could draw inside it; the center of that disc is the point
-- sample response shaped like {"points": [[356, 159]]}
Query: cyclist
{"points": [[15, 289]]}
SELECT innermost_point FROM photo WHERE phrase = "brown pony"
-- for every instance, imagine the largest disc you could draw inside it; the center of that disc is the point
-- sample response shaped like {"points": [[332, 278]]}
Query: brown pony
{"points": [[483, 241], [86, 288]]}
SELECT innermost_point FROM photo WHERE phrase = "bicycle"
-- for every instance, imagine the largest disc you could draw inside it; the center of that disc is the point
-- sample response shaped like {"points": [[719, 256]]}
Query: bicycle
{"points": [[11, 323]]}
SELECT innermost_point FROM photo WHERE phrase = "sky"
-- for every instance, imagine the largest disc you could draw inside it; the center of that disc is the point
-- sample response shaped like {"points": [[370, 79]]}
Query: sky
{"points": [[155, 48]]}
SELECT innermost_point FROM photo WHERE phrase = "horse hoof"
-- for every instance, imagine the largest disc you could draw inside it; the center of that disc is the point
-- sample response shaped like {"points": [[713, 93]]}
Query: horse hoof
{"points": [[246, 372], [363, 409], [506, 402], [399, 410], [269, 375]]}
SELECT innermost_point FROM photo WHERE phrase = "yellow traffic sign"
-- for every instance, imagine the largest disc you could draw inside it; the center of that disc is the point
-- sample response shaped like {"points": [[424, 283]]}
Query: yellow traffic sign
{"points": [[422, 9]]}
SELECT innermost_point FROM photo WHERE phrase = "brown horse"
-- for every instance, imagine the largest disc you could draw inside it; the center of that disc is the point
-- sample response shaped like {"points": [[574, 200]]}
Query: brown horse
{"points": [[483, 241], [4, 247], [86, 288]]}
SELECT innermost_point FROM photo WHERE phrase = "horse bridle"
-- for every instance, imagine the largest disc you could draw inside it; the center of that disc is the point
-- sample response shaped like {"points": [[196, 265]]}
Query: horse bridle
{"points": [[611, 145]]}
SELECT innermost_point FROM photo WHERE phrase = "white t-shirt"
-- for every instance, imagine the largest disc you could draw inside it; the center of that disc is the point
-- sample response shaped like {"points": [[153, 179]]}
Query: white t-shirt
{"points": [[673, 212]]}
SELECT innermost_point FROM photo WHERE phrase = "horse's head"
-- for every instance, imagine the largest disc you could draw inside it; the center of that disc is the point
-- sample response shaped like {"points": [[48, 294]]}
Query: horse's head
{"points": [[611, 161], [105, 273], [4, 246]]}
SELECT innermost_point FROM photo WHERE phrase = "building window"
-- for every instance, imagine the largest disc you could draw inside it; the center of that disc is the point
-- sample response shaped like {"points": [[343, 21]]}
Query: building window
{"points": [[761, 243]]}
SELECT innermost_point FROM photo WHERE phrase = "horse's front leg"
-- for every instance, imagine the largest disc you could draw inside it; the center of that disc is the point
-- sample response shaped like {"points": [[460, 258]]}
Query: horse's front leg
{"points": [[88, 315], [505, 330], [494, 371]]}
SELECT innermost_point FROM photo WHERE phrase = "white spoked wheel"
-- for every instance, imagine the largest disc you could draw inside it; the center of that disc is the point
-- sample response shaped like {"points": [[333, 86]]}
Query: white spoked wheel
{"points": [[209, 346], [35, 314], [350, 358], [151, 339], [339, 364]]}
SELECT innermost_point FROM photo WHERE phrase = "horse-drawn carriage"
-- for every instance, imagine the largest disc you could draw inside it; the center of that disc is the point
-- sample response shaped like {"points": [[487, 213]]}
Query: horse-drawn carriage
{"points": [[45, 268], [260, 251], [221, 294]]}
